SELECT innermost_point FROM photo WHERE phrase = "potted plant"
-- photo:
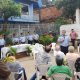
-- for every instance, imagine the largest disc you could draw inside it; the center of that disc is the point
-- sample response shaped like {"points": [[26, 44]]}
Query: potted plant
{"points": [[12, 51], [29, 50]]}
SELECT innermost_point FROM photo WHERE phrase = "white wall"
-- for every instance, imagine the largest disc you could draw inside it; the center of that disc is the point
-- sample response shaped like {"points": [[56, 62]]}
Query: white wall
{"points": [[78, 16], [68, 28]]}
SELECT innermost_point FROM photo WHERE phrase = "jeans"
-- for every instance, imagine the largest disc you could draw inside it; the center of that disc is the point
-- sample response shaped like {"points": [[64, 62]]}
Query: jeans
{"points": [[33, 77], [1, 46], [73, 42], [64, 49]]}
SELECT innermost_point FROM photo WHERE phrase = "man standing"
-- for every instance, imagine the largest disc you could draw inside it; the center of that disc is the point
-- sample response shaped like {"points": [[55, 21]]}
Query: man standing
{"points": [[64, 42], [22, 39], [2, 43], [36, 37], [30, 38], [73, 36], [15, 39]]}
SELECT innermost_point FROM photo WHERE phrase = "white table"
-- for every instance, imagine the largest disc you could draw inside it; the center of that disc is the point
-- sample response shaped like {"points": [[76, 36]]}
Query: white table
{"points": [[20, 48], [37, 48]]}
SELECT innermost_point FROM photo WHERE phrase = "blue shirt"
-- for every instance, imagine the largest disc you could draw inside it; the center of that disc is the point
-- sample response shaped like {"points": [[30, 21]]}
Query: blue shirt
{"points": [[65, 43], [2, 41]]}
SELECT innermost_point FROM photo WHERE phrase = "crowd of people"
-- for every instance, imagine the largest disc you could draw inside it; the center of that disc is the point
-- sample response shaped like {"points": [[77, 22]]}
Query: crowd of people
{"points": [[31, 38], [67, 60]]}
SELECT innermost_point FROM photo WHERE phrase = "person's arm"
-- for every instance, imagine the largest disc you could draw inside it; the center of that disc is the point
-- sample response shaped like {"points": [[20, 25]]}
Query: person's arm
{"points": [[70, 34], [49, 61], [60, 39], [49, 72], [69, 72], [76, 35], [4, 42]]}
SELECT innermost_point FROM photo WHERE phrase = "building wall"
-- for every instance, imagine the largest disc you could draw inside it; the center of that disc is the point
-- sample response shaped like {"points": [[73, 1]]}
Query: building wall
{"points": [[30, 17], [68, 28]]}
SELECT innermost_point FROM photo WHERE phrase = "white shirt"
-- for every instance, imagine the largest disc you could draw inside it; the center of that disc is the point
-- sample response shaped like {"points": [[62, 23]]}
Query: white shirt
{"points": [[61, 54], [15, 40], [30, 37], [22, 39], [2, 42], [65, 42], [36, 36]]}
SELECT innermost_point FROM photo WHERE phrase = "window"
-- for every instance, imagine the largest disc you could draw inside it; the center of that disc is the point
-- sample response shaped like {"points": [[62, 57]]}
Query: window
{"points": [[25, 10]]}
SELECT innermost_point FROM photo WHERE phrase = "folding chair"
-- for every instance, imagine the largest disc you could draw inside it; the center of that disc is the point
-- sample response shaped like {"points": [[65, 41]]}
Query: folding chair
{"points": [[59, 76], [16, 76], [43, 68], [53, 46]]}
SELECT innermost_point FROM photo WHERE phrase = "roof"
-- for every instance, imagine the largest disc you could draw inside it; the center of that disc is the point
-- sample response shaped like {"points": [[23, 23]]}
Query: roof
{"points": [[21, 19], [34, 2], [49, 13]]}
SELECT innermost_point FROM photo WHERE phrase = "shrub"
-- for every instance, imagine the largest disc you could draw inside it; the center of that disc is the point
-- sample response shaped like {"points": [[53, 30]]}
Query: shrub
{"points": [[8, 41], [45, 39], [28, 49], [55, 39], [7, 32]]}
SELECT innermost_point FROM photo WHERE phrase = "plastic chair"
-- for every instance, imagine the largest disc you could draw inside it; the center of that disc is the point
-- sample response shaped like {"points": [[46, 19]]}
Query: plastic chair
{"points": [[53, 46], [77, 75], [14, 75], [43, 68], [59, 76]]}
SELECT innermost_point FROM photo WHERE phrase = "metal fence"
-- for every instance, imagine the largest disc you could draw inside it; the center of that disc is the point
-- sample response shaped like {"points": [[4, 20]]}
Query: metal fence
{"points": [[25, 28]]}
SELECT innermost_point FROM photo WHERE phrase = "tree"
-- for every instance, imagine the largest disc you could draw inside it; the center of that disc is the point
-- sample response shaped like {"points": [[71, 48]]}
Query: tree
{"points": [[69, 7], [9, 8]]}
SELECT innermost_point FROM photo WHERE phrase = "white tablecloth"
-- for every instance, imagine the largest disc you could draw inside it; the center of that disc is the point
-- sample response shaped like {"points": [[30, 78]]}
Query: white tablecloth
{"points": [[37, 48], [20, 48]]}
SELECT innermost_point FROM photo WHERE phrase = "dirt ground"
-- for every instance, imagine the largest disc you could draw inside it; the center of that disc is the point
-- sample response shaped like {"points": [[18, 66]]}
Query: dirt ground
{"points": [[29, 65]]}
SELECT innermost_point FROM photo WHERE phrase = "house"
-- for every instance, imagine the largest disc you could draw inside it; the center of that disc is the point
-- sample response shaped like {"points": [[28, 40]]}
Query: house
{"points": [[27, 12], [48, 14]]}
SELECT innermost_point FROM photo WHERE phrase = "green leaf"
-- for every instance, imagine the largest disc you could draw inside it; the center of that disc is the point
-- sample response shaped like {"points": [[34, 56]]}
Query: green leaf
{"points": [[9, 8], [13, 51], [28, 49]]}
